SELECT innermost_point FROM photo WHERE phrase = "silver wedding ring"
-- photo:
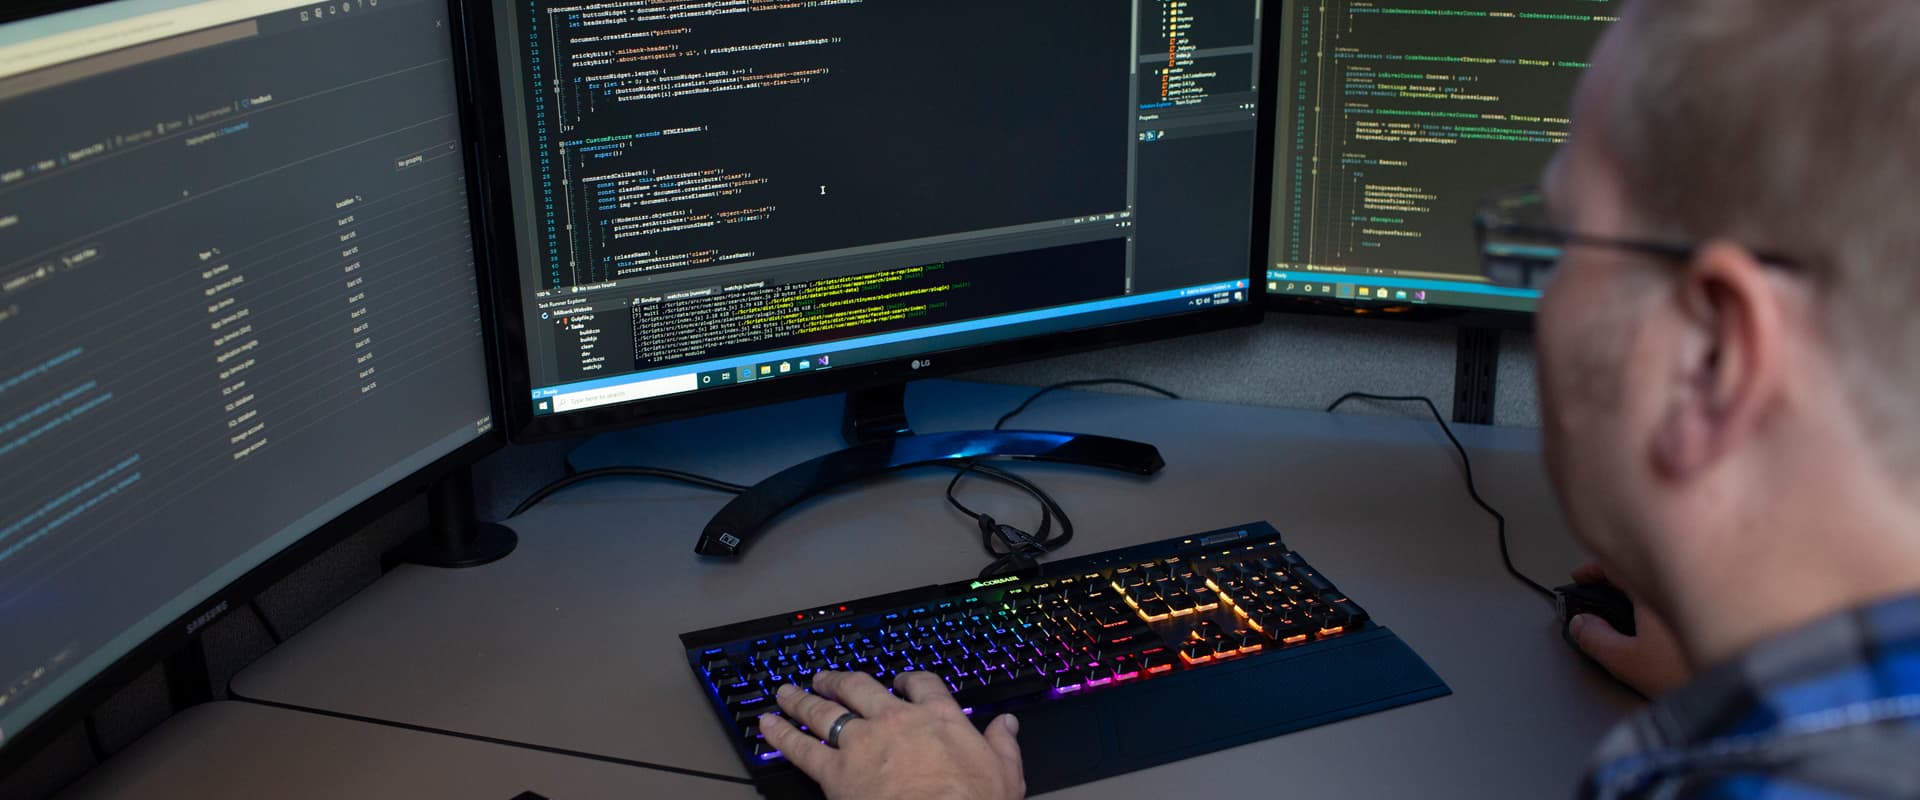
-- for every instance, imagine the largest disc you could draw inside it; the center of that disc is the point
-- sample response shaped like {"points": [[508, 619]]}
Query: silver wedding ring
{"points": [[833, 731]]}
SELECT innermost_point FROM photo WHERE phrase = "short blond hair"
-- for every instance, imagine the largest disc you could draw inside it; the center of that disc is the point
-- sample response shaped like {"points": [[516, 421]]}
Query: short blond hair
{"points": [[1792, 127]]}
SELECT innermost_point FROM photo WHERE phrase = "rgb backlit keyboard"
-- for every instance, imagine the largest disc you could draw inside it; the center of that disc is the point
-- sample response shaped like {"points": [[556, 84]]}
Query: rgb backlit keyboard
{"points": [[1083, 633]]}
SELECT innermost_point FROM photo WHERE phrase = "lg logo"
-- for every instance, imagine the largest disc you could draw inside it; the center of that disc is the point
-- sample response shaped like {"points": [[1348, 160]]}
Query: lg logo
{"points": [[920, 365]]}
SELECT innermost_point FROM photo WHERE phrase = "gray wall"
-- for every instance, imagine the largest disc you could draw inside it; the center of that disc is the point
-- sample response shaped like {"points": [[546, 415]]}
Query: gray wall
{"points": [[1299, 362], [1288, 361]]}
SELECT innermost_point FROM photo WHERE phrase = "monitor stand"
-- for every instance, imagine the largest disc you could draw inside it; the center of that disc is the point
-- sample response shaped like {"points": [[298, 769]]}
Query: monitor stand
{"points": [[455, 537], [882, 441]]}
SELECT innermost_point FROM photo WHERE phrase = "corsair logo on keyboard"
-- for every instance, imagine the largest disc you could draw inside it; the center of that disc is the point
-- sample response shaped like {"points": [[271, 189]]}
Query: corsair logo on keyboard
{"points": [[994, 582]]}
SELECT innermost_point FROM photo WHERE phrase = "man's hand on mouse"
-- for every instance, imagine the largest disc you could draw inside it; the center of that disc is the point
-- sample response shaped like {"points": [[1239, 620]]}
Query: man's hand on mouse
{"points": [[1650, 662], [916, 745]]}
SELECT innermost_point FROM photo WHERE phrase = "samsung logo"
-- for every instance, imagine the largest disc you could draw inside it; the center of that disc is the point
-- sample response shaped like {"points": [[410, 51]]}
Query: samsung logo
{"points": [[202, 620]]}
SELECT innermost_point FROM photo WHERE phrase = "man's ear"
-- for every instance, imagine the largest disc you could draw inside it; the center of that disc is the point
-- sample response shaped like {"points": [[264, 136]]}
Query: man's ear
{"points": [[1727, 373]]}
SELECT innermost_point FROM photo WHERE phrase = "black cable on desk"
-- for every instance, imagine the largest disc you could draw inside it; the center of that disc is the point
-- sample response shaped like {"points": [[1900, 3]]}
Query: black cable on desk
{"points": [[1081, 384], [1021, 550], [1466, 465], [625, 472], [493, 740]]}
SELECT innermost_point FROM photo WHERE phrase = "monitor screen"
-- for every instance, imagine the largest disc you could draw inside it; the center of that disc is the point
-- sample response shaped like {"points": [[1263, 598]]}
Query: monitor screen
{"points": [[713, 197], [238, 298], [1395, 122]]}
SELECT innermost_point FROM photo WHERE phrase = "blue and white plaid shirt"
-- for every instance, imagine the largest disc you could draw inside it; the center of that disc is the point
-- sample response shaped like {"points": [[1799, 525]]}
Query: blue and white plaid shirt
{"points": [[1830, 710]]}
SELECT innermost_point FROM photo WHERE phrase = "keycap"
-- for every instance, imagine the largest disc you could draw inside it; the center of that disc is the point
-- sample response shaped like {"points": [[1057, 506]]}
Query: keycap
{"points": [[1354, 614], [1133, 645], [1247, 641], [1127, 629], [753, 705], [1291, 632], [1156, 663], [1156, 610], [1100, 676], [1180, 604]]}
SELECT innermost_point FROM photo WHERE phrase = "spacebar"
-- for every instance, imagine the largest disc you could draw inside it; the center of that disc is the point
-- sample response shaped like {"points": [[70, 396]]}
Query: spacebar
{"points": [[999, 692]]}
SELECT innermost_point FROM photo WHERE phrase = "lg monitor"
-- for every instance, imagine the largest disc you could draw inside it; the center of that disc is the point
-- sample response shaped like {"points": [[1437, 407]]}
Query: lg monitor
{"points": [[239, 314], [726, 204]]}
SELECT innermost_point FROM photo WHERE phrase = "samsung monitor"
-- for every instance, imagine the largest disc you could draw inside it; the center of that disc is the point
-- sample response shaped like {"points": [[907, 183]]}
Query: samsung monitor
{"points": [[1396, 120], [239, 314]]}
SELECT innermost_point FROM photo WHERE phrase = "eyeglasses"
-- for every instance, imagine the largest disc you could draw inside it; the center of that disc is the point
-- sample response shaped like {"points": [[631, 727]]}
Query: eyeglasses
{"points": [[1520, 247]]}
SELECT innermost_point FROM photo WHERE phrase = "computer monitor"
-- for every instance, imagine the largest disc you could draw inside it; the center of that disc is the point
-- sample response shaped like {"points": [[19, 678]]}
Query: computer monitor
{"points": [[727, 204], [239, 315], [1395, 123]]}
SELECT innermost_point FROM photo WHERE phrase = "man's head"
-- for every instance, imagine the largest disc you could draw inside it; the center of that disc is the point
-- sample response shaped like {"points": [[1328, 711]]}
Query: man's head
{"points": [[1688, 404]]}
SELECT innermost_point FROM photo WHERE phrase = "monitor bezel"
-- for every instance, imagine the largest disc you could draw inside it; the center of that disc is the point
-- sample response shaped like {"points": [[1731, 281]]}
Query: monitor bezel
{"points": [[22, 746], [517, 383], [1453, 315]]}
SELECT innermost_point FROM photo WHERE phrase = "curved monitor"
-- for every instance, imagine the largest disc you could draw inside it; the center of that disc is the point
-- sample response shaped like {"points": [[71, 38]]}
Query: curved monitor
{"points": [[239, 314], [1396, 122], [725, 204]]}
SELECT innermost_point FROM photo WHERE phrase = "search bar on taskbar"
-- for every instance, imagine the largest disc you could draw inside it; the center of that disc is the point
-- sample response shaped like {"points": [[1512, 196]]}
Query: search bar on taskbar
{"points": [[625, 393]]}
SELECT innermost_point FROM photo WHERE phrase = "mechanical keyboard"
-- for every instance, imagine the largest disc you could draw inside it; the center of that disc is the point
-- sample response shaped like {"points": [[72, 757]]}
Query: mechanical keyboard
{"points": [[1114, 661]]}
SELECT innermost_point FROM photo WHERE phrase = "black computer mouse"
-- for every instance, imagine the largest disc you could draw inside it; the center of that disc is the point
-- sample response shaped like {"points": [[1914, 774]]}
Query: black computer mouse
{"points": [[1599, 599]]}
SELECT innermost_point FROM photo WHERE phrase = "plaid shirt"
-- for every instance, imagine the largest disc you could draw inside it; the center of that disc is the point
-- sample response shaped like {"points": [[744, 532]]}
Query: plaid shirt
{"points": [[1830, 710]]}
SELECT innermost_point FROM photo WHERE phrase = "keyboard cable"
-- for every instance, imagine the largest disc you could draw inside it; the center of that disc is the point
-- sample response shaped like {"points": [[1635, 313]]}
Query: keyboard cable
{"points": [[1018, 549]]}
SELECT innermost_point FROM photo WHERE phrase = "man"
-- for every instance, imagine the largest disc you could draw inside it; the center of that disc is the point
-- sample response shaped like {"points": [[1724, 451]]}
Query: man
{"points": [[1730, 380]]}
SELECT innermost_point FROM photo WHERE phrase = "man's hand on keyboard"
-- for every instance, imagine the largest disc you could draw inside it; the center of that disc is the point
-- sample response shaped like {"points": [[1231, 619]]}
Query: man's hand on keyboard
{"points": [[916, 745]]}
